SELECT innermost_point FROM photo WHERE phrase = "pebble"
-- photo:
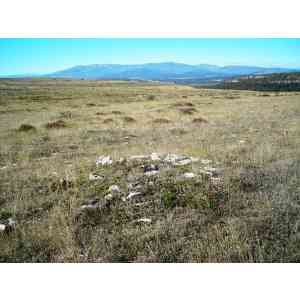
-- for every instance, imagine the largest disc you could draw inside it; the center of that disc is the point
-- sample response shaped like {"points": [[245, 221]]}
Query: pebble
{"points": [[152, 173], [144, 220], [133, 195], [189, 175], [104, 160], [94, 177]]}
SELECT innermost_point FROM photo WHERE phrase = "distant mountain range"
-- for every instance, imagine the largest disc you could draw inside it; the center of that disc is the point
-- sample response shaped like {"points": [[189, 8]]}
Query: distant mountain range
{"points": [[166, 71]]}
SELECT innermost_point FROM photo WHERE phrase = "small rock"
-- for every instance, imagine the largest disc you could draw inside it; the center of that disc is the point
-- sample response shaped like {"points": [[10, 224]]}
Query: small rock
{"points": [[114, 190], [172, 158], [152, 173], [89, 207], [205, 161], [183, 162], [148, 168], [194, 159], [121, 160], [133, 195], [104, 161], [2, 227], [108, 197], [3, 168], [94, 177], [155, 157], [213, 171], [11, 223], [144, 220], [189, 175]]}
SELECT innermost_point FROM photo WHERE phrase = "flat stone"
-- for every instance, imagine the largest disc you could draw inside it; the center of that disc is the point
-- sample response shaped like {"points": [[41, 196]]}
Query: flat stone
{"points": [[104, 160], [205, 161], [94, 177], [133, 195], [114, 190], [152, 173], [155, 157], [183, 162], [189, 175], [144, 220]]}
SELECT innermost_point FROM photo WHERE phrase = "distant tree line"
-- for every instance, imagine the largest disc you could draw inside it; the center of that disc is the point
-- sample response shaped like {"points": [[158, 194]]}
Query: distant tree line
{"points": [[274, 83]]}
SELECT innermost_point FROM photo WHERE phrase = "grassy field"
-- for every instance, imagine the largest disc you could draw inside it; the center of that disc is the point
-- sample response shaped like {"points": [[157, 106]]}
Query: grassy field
{"points": [[53, 197]]}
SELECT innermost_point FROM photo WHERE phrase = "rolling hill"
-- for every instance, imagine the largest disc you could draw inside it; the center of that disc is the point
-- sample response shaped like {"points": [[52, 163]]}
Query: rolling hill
{"points": [[167, 71]]}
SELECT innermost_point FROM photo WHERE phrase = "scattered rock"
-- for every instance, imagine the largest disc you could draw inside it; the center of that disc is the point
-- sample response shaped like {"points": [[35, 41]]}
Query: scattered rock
{"points": [[108, 197], [114, 190], [215, 172], [95, 177], [2, 227], [173, 158], [148, 168], [183, 162], [133, 195], [152, 173], [155, 157], [189, 175], [144, 220], [104, 160], [205, 161]]}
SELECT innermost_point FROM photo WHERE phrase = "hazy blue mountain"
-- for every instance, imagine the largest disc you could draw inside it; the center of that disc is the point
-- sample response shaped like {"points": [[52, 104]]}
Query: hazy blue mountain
{"points": [[161, 71]]}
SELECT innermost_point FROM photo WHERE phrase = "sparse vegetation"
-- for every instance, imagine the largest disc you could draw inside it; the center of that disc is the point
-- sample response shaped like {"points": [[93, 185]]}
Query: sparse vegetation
{"points": [[54, 203]]}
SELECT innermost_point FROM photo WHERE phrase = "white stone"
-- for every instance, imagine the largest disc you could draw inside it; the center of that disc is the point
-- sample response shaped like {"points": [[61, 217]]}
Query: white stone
{"points": [[194, 159], [11, 222], [104, 160], [189, 175], [108, 197], [2, 227], [151, 173], [155, 157], [183, 162], [114, 190], [144, 220], [89, 207], [133, 195], [94, 177], [205, 161]]}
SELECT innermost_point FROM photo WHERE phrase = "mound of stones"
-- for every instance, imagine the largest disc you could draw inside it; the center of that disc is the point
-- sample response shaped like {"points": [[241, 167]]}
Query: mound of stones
{"points": [[151, 165]]}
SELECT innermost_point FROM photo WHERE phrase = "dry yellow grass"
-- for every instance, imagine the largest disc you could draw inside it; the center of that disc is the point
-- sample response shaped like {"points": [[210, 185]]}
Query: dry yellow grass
{"points": [[244, 131]]}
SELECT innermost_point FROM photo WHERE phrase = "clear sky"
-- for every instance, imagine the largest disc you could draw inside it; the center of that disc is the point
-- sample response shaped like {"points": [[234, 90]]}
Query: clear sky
{"points": [[21, 56]]}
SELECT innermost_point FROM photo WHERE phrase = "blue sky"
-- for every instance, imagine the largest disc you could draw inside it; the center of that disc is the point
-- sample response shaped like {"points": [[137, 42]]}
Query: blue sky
{"points": [[20, 56]]}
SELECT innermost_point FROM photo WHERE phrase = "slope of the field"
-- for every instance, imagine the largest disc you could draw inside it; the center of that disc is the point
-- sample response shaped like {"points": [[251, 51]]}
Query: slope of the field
{"points": [[234, 197]]}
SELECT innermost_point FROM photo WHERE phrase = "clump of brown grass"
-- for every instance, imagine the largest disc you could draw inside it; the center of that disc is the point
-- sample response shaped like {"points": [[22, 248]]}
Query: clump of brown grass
{"points": [[150, 97], [188, 110], [183, 104], [199, 120], [56, 124], [128, 119], [90, 104], [161, 121], [116, 112], [108, 120], [100, 113], [26, 127]]}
